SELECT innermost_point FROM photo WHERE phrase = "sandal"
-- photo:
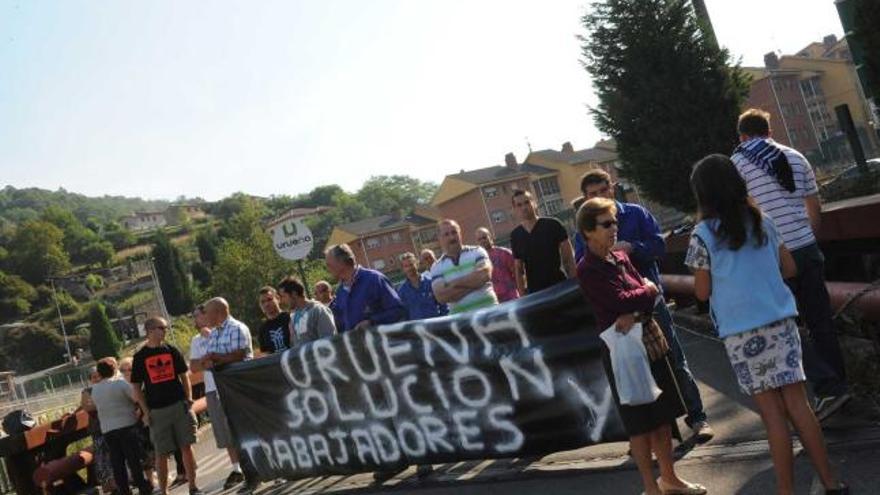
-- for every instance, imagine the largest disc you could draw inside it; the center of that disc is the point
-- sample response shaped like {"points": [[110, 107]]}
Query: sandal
{"points": [[688, 489]]}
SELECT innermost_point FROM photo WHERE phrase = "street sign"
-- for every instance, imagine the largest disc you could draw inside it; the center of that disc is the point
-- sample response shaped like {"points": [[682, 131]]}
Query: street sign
{"points": [[292, 239]]}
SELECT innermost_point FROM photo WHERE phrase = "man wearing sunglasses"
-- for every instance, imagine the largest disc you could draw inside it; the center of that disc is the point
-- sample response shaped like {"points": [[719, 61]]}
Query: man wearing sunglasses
{"points": [[638, 234], [162, 389]]}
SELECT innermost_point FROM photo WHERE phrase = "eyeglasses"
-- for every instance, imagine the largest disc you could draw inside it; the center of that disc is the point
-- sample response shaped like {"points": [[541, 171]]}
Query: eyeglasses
{"points": [[125, 370], [607, 224]]}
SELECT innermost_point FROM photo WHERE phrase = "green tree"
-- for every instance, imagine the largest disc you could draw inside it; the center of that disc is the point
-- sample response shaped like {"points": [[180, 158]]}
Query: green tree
{"points": [[97, 253], [667, 94], [32, 348], [16, 297], [867, 19], [170, 271], [206, 243], [103, 341], [116, 235], [387, 194], [78, 239], [36, 252]]}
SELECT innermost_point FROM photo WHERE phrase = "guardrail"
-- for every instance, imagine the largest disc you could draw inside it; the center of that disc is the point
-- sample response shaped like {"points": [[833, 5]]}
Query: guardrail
{"points": [[36, 460]]}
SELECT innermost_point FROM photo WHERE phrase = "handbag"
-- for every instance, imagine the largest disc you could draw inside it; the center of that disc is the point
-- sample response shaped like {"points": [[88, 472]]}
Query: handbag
{"points": [[653, 338], [652, 335]]}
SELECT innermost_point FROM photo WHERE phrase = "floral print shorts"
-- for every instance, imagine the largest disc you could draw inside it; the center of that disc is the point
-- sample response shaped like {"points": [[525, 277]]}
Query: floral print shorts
{"points": [[767, 357]]}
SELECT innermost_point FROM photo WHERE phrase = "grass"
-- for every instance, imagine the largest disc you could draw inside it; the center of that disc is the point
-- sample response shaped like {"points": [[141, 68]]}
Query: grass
{"points": [[135, 300]]}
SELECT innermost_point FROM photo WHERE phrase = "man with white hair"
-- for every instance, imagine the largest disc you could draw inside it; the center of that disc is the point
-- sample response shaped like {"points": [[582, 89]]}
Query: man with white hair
{"points": [[229, 342]]}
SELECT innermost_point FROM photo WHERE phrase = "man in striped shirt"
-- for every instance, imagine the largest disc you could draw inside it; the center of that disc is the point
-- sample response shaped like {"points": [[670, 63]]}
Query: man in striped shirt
{"points": [[462, 277], [781, 181]]}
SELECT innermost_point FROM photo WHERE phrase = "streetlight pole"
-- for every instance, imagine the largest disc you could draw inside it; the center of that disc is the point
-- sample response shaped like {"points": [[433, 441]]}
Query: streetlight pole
{"points": [[61, 320]]}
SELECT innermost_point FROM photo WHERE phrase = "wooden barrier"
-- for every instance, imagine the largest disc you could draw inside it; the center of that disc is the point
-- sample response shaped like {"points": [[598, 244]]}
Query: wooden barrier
{"points": [[37, 459]]}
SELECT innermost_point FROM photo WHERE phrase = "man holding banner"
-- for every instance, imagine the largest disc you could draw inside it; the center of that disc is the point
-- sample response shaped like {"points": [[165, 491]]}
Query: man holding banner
{"points": [[365, 297]]}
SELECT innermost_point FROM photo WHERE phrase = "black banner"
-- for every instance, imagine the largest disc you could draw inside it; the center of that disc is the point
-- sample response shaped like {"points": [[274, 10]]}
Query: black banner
{"points": [[520, 379]]}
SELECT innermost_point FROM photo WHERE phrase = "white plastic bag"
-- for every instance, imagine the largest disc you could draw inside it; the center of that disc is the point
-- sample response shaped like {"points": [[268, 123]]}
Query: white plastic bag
{"points": [[629, 362]]}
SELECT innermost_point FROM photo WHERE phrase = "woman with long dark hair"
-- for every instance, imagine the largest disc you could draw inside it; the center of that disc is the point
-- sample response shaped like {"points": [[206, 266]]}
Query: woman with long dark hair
{"points": [[739, 261]]}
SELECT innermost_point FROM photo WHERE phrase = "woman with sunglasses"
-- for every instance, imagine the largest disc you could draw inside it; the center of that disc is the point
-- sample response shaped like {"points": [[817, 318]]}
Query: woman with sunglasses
{"points": [[620, 296]]}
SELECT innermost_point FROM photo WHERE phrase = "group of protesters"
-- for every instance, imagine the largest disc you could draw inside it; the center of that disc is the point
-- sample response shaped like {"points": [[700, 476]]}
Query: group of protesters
{"points": [[754, 257]]}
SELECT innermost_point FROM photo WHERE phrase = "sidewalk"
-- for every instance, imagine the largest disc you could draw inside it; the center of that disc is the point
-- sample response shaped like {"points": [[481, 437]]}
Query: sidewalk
{"points": [[735, 462]]}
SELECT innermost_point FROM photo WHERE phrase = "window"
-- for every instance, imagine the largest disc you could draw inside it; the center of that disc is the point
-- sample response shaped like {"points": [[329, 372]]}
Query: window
{"points": [[373, 243], [554, 206], [547, 186], [490, 192], [379, 264], [428, 235], [498, 216], [395, 237]]}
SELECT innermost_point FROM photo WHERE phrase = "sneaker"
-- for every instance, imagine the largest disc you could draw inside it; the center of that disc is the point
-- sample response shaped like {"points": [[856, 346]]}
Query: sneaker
{"points": [[248, 488], [841, 490], [194, 490], [233, 479], [828, 405], [702, 431], [424, 470]]}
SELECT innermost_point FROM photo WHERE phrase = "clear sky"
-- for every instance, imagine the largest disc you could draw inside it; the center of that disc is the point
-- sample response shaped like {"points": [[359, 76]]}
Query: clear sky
{"points": [[161, 98]]}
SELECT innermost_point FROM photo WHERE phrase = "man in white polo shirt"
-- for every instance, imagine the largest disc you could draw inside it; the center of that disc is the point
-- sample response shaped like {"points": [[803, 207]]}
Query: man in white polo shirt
{"points": [[462, 277], [782, 182]]}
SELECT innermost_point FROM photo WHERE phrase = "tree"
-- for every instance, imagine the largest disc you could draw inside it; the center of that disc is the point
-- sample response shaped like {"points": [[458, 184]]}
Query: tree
{"points": [[78, 240], [32, 348], [175, 284], [867, 19], [667, 94], [207, 242], [36, 252], [16, 297], [387, 194], [116, 235], [103, 341], [97, 253]]}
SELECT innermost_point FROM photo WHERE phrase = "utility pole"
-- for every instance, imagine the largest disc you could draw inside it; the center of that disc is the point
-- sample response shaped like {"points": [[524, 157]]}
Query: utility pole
{"points": [[157, 289], [61, 320]]}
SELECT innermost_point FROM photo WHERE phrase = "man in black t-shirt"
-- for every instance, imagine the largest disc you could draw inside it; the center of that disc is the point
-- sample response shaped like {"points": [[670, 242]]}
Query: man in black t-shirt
{"points": [[540, 246], [274, 333], [162, 389]]}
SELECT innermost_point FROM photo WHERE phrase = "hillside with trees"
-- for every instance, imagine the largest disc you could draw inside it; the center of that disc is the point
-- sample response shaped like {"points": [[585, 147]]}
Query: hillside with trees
{"points": [[46, 234]]}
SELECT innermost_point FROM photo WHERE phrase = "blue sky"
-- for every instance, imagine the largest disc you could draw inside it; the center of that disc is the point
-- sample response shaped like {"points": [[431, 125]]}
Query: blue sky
{"points": [[163, 98]]}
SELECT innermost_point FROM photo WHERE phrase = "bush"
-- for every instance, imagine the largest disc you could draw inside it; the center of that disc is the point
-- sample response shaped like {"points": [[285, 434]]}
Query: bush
{"points": [[32, 348], [102, 339]]}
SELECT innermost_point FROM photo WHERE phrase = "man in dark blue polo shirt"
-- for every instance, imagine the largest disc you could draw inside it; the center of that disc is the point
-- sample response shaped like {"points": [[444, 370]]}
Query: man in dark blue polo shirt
{"points": [[415, 291], [638, 234], [364, 296]]}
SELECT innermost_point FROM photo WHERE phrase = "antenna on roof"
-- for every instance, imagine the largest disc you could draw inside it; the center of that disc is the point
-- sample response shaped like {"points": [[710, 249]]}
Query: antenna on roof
{"points": [[528, 144]]}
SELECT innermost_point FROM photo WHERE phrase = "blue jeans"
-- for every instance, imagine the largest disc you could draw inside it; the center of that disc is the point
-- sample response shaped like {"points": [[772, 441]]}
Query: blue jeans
{"points": [[823, 360], [689, 391]]}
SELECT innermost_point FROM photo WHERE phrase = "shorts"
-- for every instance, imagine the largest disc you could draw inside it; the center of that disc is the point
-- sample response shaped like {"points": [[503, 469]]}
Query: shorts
{"points": [[172, 427], [767, 357], [219, 423]]}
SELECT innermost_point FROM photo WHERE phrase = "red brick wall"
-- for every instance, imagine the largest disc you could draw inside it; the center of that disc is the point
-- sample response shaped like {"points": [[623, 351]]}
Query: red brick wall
{"points": [[470, 212], [388, 250]]}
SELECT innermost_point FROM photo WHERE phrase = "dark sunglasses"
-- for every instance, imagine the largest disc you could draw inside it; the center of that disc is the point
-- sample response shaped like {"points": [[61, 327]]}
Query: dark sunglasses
{"points": [[607, 224]]}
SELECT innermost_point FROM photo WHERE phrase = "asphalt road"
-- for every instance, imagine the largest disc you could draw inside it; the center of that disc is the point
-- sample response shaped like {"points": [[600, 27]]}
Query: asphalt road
{"points": [[734, 462]]}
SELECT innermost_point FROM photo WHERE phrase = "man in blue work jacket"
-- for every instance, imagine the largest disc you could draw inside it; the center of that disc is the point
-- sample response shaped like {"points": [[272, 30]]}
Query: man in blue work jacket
{"points": [[364, 297]]}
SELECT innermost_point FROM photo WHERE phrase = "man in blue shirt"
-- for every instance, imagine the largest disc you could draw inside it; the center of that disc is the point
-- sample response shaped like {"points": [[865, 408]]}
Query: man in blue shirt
{"points": [[415, 292], [364, 297], [638, 235]]}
